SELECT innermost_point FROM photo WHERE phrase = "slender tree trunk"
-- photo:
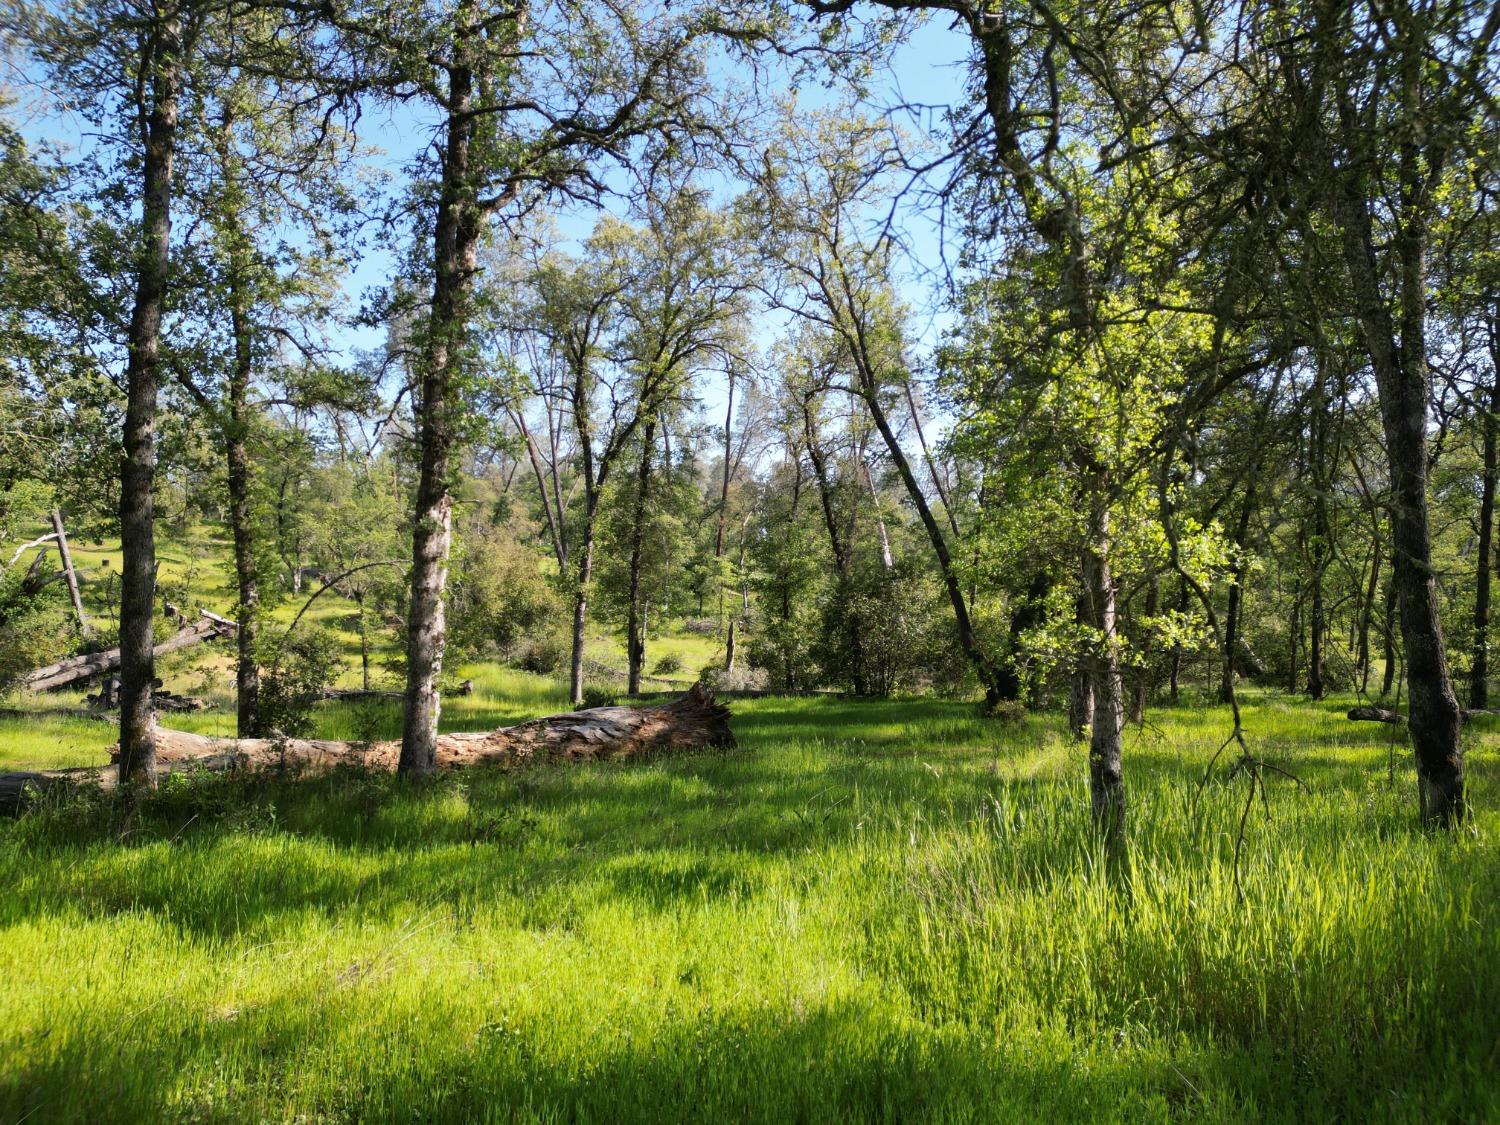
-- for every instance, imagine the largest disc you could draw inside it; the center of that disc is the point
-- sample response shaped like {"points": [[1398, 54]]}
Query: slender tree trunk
{"points": [[1479, 669], [455, 257], [241, 518], [932, 469], [1295, 631], [1367, 611], [1434, 720], [581, 606], [137, 518], [1023, 617], [635, 633], [1236, 592], [1142, 685], [1106, 778], [1174, 688], [1315, 686], [996, 686], [841, 549], [1388, 638]]}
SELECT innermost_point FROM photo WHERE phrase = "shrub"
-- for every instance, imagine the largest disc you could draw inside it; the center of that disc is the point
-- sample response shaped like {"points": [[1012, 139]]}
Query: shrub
{"points": [[668, 663], [35, 627], [597, 697], [496, 596], [297, 674], [543, 654]]}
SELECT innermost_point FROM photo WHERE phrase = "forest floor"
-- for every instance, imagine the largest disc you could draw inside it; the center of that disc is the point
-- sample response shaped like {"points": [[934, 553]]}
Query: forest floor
{"points": [[870, 910]]}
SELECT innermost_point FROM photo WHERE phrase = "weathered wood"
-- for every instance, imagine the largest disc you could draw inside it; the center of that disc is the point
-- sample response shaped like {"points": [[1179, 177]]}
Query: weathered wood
{"points": [[692, 722], [1372, 714], [76, 669], [84, 628]]}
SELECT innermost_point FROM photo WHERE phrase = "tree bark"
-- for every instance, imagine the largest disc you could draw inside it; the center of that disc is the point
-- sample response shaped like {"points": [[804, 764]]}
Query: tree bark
{"points": [[142, 376], [1402, 382], [84, 630], [635, 633], [1479, 668], [1367, 611], [1106, 777], [581, 609], [455, 257], [241, 517], [1236, 592]]}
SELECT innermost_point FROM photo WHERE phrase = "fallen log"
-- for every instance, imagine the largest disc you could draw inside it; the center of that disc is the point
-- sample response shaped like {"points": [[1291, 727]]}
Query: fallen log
{"points": [[76, 669], [695, 721], [1372, 714], [355, 694]]}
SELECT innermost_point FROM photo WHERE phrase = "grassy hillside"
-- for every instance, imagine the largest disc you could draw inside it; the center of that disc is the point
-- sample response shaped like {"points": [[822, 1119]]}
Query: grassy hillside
{"points": [[870, 910], [194, 572]]}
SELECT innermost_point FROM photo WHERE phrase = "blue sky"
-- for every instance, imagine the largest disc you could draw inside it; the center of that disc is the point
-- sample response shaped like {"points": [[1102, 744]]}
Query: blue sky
{"points": [[926, 69]]}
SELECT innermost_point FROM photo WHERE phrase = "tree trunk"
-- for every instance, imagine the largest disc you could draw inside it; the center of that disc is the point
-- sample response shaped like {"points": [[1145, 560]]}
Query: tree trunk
{"points": [[841, 549], [1402, 382], [1106, 778], [1479, 668], [1388, 638], [995, 686], [455, 256], [137, 517], [635, 633], [1175, 681], [1080, 703], [581, 607], [241, 518], [1316, 688], [1236, 592], [1023, 617], [1367, 611]]}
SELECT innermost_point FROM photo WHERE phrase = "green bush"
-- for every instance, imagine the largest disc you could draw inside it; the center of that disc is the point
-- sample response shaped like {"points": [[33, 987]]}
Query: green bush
{"points": [[597, 697], [543, 654], [496, 596], [668, 663], [298, 671]]}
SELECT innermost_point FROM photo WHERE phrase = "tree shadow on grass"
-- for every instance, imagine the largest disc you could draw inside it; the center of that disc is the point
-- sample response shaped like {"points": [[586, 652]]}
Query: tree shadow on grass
{"points": [[851, 1059]]}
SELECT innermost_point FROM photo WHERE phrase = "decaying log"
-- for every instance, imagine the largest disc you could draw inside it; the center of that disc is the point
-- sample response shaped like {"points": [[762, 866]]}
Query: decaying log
{"points": [[76, 669], [693, 722], [347, 694], [1370, 714]]}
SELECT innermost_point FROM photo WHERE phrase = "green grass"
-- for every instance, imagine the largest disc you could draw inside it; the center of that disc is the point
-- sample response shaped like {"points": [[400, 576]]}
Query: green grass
{"points": [[870, 911]]}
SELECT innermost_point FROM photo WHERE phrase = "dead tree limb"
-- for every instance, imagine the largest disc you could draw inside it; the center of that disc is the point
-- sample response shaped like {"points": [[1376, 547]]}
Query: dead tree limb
{"points": [[76, 669]]}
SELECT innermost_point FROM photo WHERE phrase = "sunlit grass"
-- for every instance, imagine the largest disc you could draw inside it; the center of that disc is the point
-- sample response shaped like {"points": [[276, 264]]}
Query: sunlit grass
{"points": [[871, 910]]}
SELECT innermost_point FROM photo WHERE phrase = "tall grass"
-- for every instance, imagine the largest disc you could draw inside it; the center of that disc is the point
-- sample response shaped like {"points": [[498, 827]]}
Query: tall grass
{"points": [[871, 911]]}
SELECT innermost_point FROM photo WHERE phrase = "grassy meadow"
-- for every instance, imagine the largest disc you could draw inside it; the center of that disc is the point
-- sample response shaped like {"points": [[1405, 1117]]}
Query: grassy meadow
{"points": [[869, 911]]}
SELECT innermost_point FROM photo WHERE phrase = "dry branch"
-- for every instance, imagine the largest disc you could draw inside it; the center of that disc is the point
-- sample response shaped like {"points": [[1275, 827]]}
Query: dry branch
{"points": [[76, 669]]}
